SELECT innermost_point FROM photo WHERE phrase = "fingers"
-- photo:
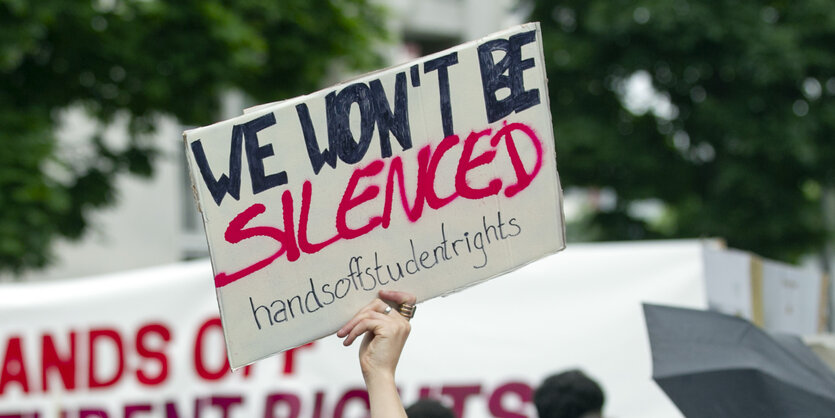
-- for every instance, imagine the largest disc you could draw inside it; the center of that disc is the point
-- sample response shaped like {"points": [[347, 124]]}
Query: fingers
{"points": [[398, 298], [376, 305], [405, 302], [374, 315], [377, 323], [370, 322]]}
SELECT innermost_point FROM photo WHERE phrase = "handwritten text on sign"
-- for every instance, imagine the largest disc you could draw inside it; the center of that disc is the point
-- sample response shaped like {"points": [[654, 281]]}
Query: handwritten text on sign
{"points": [[431, 171]]}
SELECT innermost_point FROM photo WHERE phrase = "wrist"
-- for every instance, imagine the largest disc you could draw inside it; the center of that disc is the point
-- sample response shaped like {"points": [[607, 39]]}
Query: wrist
{"points": [[372, 375], [383, 396]]}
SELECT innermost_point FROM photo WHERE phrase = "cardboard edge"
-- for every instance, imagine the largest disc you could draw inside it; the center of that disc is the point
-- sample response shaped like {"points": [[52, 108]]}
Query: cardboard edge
{"points": [[198, 197], [823, 303], [556, 176], [194, 193], [756, 277]]}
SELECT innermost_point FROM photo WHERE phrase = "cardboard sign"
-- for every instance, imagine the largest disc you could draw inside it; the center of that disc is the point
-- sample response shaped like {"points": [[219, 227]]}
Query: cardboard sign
{"points": [[426, 177], [776, 296], [792, 297], [728, 283]]}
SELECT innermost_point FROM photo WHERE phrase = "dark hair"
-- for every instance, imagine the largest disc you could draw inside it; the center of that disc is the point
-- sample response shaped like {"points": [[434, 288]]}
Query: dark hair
{"points": [[429, 408], [569, 394]]}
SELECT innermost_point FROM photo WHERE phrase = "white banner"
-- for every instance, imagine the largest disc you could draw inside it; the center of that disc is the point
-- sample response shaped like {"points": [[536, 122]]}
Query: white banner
{"points": [[148, 344]]}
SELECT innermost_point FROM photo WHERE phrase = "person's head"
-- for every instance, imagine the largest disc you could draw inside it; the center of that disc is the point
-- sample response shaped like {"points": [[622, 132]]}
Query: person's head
{"points": [[429, 408], [570, 394]]}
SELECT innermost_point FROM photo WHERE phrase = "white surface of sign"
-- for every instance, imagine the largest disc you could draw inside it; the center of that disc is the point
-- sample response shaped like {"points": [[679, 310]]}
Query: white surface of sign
{"points": [[728, 282], [791, 298], [427, 177], [776, 296], [148, 344]]}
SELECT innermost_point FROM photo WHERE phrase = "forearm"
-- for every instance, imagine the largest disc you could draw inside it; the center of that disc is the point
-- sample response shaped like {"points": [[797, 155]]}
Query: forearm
{"points": [[383, 397], [384, 337]]}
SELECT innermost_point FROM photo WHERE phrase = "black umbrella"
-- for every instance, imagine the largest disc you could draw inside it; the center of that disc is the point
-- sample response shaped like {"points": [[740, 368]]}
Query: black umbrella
{"points": [[714, 365]]}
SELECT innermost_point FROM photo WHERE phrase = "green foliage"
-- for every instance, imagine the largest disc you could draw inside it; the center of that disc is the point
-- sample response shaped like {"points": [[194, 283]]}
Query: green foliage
{"points": [[139, 60], [747, 147]]}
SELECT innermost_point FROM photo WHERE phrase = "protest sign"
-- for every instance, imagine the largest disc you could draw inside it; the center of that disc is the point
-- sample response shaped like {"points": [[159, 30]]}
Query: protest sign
{"points": [[728, 283], [794, 298], [776, 296], [426, 177]]}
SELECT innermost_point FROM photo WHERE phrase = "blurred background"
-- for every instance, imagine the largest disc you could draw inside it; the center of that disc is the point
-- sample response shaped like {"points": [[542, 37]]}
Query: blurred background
{"points": [[673, 119], [94, 97]]}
